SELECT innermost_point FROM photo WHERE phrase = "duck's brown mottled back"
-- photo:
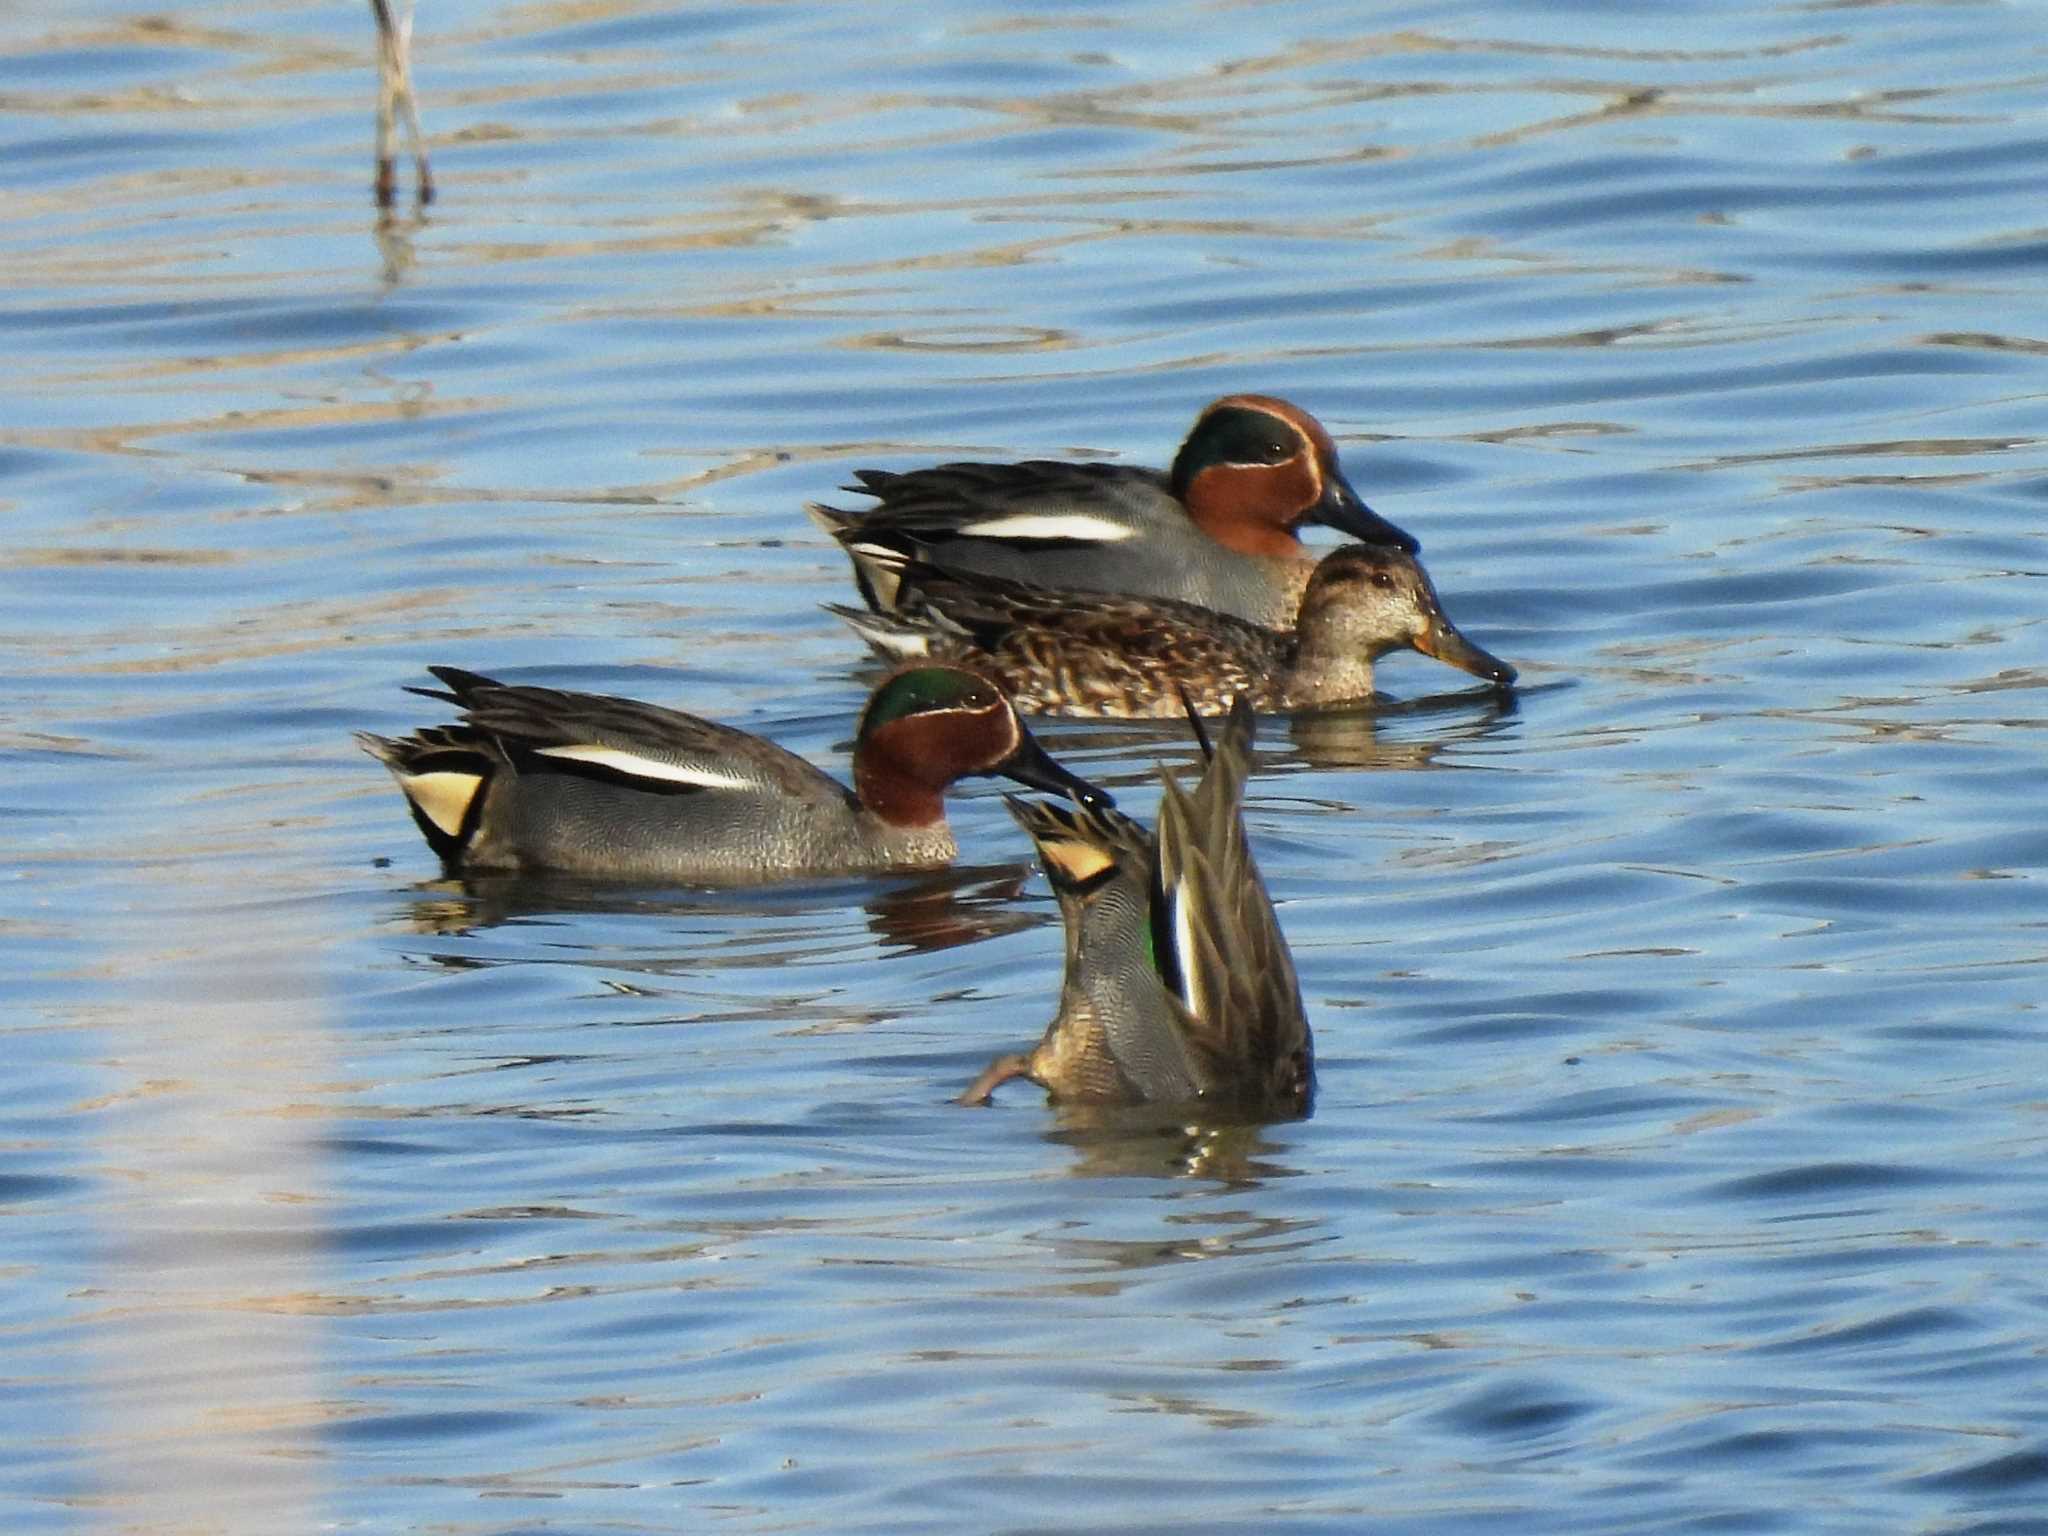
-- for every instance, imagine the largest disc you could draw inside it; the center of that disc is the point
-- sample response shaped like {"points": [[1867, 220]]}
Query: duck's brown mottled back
{"points": [[1094, 654]]}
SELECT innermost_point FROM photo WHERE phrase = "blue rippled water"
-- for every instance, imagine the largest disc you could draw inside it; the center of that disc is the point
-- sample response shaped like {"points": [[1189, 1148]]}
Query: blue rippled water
{"points": [[1678, 1160]]}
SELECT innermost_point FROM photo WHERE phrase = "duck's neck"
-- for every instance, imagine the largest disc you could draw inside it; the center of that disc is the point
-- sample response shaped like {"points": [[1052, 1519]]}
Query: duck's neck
{"points": [[926, 845], [1326, 671], [1218, 511], [897, 800]]}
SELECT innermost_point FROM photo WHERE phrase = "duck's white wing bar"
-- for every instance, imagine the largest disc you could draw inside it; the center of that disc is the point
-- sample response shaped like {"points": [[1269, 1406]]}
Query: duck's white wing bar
{"points": [[1181, 898], [635, 765], [1078, 527]]}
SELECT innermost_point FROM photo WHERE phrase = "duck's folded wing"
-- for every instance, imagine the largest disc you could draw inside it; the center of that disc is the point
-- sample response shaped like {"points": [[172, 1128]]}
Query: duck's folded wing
{"points": [[626, 740], [992, 609], [1230, 963], [1036, 504]]}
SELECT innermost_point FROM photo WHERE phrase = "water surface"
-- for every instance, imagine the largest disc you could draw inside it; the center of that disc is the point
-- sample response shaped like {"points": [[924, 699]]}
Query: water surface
{"points": [[1677, 1164]]}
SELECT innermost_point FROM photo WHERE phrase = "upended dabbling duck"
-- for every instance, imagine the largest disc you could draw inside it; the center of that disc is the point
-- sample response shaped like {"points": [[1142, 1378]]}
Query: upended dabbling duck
{"points": [[1100, 655], [1219, 529], [1179, 988], [538, 780]]}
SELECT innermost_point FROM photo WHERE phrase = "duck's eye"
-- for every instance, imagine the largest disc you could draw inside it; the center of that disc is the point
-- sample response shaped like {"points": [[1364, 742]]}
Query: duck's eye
{"points": [[1384, 580], [1276, 453]]}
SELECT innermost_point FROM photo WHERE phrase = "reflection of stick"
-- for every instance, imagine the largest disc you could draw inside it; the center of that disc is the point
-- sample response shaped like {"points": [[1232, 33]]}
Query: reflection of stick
{"points": [[394, 95]]}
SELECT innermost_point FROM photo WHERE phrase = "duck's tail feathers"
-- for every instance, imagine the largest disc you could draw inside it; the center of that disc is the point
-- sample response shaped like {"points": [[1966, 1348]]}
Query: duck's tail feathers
{"points": [[443, 771], [1082, 848], [897, 639], [877, 555]]}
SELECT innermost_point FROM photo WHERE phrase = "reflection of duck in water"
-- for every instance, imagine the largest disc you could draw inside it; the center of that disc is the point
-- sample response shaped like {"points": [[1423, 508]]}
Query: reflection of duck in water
{"points": [[1226, 1145], [542, 781], [698, 929], [1084, 653], [1387, 736], [1179, 987], [1383, 735]]}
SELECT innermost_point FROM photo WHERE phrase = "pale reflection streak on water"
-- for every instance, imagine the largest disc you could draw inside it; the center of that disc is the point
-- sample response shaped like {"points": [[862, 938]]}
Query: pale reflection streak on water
{"points": [[198, 1337], [1675, 1160]]}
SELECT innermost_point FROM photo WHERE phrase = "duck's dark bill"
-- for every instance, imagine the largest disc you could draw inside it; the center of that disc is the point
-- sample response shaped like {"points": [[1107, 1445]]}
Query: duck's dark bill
{"points": [[1341, 508], [1443, 641], [1033, 766]]}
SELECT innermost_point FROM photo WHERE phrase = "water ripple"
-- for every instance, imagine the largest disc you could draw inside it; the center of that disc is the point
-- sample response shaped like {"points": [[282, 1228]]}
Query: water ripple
{"points": [[1675, 1161]]}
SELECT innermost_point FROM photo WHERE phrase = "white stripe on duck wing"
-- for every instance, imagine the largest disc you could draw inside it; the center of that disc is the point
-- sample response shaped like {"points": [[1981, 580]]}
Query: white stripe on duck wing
{"points": [[652, 748]]}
